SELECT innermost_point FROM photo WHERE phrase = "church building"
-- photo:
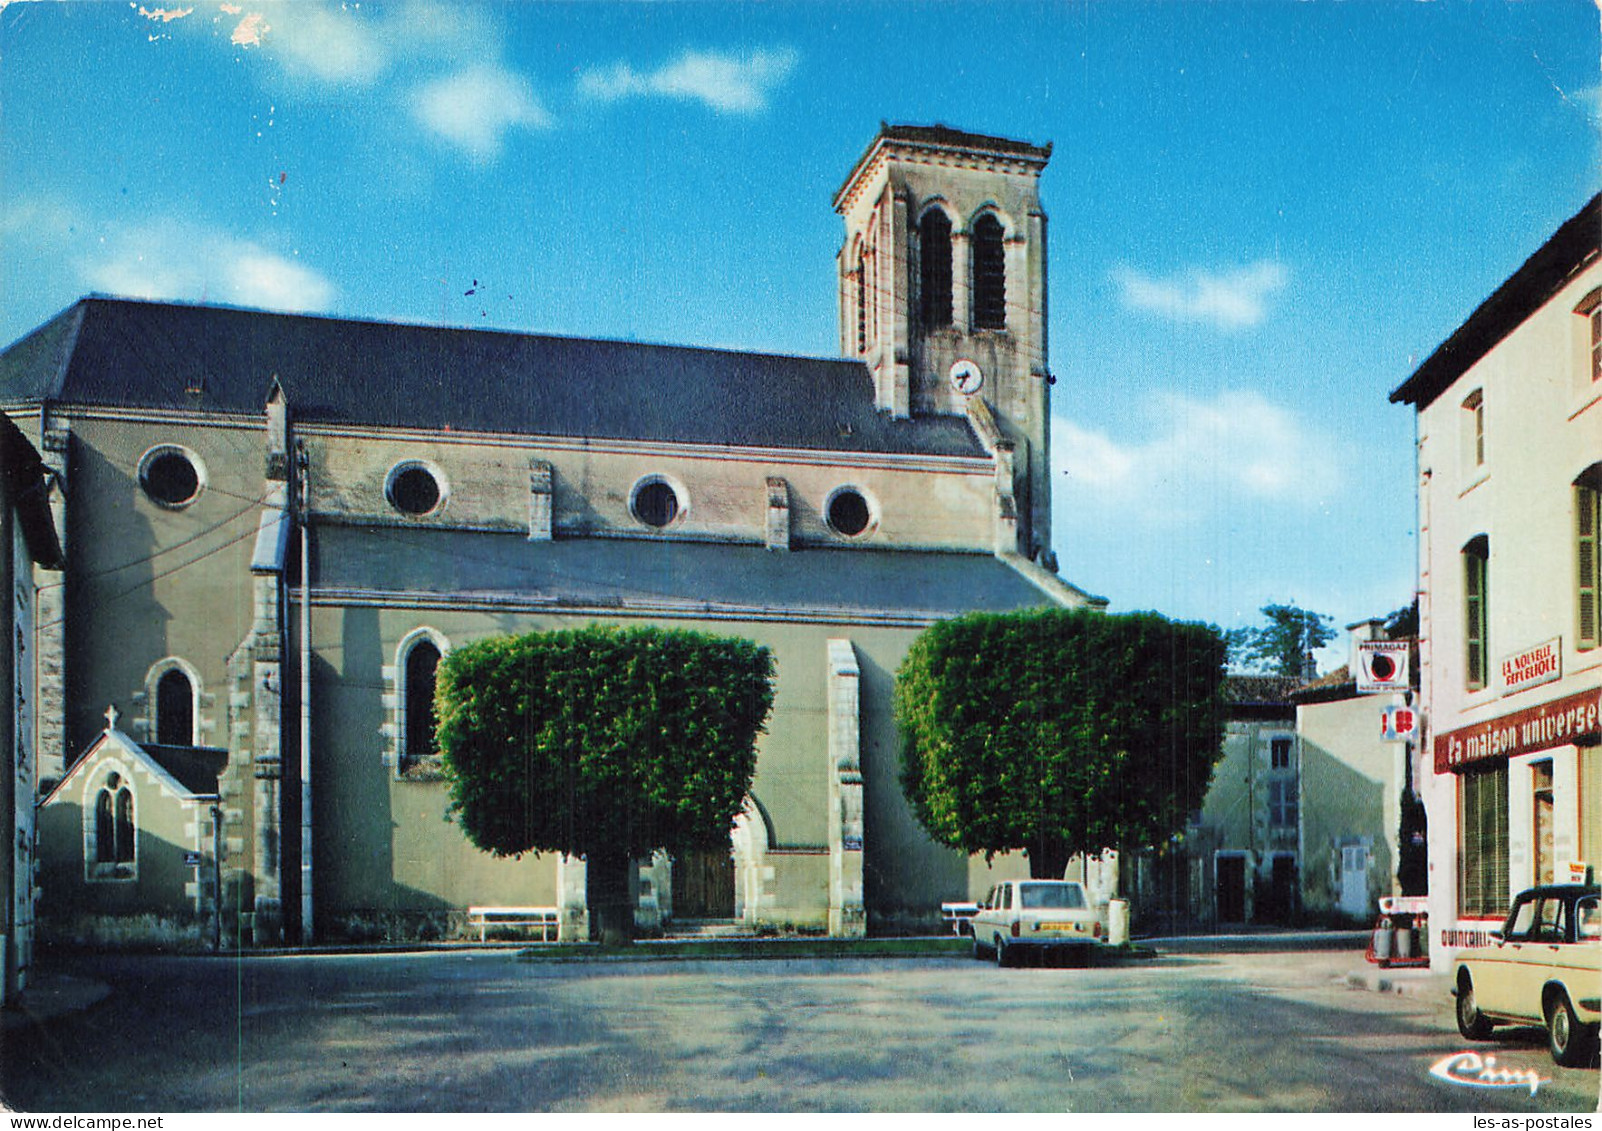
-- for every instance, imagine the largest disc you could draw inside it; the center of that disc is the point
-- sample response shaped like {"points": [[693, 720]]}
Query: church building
{"points": [[275, 526]]}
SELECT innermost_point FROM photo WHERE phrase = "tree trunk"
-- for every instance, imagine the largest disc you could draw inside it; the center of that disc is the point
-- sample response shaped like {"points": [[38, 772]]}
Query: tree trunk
{"points": [[1048, 859], [610, 893]]}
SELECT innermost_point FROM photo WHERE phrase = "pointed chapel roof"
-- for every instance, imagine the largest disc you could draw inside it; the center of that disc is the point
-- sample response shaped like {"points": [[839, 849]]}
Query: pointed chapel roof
{"points": [[188, 772]]}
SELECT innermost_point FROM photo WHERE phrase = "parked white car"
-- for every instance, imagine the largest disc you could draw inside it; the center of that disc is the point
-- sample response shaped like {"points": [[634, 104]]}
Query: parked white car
{"points": [[1544, 967], [1036, 917]]}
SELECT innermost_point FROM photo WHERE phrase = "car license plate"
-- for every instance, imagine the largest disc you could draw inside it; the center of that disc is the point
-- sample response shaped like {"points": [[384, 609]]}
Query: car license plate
{"points": [[1060, 927]]}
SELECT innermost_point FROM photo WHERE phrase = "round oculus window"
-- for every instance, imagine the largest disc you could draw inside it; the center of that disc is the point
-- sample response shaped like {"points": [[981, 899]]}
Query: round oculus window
{"points": [[848, 512], [170, 477], [413, 489], [655, 503]]}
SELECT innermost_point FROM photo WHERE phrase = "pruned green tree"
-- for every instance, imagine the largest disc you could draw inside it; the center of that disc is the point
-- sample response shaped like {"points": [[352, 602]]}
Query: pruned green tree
{"points": [[1059, 731], [603, 743], [1282, 644]]}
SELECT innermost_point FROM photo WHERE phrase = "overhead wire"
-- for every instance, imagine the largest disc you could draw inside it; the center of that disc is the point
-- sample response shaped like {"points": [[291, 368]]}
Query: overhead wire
{"points": [[102, 601]]}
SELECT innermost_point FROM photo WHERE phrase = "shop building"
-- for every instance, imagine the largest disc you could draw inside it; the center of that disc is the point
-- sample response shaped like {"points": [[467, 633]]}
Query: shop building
{"points": [[1509, 420]]}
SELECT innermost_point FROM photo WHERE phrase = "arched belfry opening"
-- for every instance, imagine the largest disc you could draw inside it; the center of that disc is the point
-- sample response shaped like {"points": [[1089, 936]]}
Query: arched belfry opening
{"points": [[989, 274], [934, 269]]}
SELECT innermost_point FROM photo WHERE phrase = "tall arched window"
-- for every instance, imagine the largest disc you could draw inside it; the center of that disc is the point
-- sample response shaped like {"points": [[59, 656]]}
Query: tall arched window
{"points": [[989, 274], [113, 827], [422, 664], [125, 826], [934, 268], [105, 829], [175, 709]]}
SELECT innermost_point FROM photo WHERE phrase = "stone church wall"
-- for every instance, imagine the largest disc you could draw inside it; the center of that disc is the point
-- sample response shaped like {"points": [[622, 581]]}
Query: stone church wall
{"points": [[383, 841], [138, 571], [917, 502]]}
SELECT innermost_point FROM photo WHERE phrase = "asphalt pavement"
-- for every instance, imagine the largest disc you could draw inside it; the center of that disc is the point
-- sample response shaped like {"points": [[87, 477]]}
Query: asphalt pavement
{"points": [[480, 1030]]}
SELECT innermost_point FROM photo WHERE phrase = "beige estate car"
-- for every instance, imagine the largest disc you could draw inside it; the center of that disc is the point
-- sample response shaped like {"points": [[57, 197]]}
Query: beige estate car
{"points": [[1543, 967], [1036, 917]]}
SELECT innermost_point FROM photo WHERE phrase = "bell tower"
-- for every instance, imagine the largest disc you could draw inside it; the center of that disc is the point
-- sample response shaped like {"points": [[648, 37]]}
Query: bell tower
{"points": [[943, 293]]}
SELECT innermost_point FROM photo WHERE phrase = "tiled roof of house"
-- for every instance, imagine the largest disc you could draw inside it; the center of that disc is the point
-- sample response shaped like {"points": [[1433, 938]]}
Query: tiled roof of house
{"points": [[1259, 689], [157, 355], [1338, 684]]}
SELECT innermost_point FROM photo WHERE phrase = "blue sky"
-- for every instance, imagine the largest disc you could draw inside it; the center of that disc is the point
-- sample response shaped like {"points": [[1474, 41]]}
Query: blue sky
{"points": [[1263, 215]]}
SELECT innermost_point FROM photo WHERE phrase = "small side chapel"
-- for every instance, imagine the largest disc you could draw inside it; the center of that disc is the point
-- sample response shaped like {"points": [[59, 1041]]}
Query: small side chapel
{"points": [[277, 525]]}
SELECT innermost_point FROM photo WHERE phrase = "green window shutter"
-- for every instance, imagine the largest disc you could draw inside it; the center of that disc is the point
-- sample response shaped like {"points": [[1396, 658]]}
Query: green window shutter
{"points": [[1475, 557], [1483, 881], [1587, 519]]}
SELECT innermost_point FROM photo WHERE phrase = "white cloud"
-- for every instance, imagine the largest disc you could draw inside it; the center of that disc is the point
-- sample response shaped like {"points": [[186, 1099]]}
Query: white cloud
{"points": [[474, 109], [33, 220], [735, 84], [439, 64], [355, 46], [1229, 300], [1202, 458], [352, 46], [1589, 100], [332, 45], [176, 260], [260, 278]]}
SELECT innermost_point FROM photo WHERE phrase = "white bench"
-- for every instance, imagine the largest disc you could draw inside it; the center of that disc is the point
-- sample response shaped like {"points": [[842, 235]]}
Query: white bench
{"points": [[957, 913], [547, 919]]}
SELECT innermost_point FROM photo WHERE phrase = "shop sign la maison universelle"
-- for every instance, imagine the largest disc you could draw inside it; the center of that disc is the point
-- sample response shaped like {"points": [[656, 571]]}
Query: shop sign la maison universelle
{"points": [[1574, 719]]}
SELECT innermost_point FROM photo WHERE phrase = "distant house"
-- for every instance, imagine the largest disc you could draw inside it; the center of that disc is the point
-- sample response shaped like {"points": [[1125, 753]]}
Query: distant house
{"points": [[1302, 818], [1354, 784], [1509, 423], [28, 532]]}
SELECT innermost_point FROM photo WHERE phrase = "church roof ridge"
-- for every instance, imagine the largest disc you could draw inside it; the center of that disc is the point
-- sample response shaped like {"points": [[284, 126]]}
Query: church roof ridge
{"points": [[133, 354]]}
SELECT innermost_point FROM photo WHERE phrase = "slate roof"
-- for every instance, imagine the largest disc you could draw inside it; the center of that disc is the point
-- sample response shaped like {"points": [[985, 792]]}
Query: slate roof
{"points": [[135, 354], [193, 767], [194, 770], [1570, 249], [619, 572]]}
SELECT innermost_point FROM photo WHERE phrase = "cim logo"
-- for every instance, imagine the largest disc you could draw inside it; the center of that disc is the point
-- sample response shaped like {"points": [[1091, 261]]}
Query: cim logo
{"points": [[1472, 1070]]}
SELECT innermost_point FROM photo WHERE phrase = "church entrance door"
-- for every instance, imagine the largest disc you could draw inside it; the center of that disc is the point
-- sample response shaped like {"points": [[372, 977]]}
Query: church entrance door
{"points": [[703, 884]]}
